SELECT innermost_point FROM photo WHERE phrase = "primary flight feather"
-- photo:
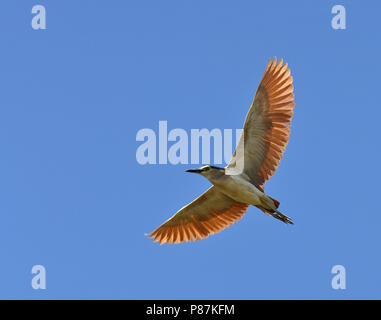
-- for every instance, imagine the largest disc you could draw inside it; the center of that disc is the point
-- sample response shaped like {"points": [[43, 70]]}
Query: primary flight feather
{"points": [[241, 183]]}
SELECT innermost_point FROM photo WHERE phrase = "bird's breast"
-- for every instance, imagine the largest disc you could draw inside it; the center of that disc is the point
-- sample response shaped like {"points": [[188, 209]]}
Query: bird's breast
{"points": [[239, 189]]}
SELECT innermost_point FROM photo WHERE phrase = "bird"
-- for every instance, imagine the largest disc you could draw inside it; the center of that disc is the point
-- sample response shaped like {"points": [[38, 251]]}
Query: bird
{"points": [[240, 184]]}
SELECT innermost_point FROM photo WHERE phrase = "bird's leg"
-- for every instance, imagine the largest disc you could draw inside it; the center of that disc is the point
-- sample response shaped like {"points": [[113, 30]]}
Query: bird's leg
{"points": [[268, 203], [282, 217]]}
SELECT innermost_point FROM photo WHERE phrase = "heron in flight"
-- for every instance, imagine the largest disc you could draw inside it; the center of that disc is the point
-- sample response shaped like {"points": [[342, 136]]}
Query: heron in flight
{"points": [[241, 183]]}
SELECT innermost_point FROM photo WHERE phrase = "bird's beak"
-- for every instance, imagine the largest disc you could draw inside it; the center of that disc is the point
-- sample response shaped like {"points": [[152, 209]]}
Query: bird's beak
{"points": [[194, 170]]}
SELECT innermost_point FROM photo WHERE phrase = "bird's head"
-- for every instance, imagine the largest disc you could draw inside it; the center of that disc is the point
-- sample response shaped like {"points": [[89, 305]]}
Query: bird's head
{"points": [[208, 172]]}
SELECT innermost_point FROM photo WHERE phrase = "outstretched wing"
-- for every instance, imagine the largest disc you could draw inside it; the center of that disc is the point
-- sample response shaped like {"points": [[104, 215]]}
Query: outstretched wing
{"points": [[266, 132], [209, 213]]}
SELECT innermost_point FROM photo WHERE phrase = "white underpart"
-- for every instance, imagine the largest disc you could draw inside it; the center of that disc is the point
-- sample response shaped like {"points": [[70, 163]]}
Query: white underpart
{"points": [[240, 190]]}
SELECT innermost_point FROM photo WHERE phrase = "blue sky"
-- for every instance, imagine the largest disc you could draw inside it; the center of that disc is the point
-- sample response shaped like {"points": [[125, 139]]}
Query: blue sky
{"points": [[75, 200]]}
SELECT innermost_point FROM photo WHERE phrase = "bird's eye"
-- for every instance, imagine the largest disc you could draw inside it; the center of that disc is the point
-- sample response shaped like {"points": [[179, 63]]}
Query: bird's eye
{"points": [[206, 168]]}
